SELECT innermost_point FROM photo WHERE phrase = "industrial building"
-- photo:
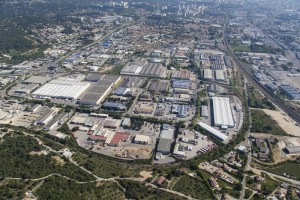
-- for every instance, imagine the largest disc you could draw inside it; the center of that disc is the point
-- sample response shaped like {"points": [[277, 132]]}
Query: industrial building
{"points": [[114, 106], [204, 111], [122, 91], [159, 86], [207, 74], [47, 117], [100, 90], [290, 91], [37, 80], [142, 139], [293, 149], [214, 132], [183, 75], [220, 75], [142, 68], [180, 110], [63, 88], [166, 139], [183, 84], [26, 88], [222, 113]]}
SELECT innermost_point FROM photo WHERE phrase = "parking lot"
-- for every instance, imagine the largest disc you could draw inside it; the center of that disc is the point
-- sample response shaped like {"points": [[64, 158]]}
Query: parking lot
{"points": [[193, 143]]}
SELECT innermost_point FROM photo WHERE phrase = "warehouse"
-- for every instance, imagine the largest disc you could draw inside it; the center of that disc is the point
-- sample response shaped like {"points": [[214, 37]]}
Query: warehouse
{"points": [[37, 80], [204, 111], [164, 146], [181, 91], [222, 113], [183, 75], [293, 149], [26, 89], [44, 119], [100, 90], [133, 68], [183, 84], [153, 69], [142, 139], [227, 61], [220, 75], [207, 74], [180, 110], [214, 132], [111, 123], [217, 67], [159, 86], [113, 106], [62, 88], [122, 91], [291, 92]]}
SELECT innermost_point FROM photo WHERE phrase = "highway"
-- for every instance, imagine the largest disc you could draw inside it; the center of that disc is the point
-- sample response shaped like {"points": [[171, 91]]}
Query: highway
{"points": [[289, 111]]}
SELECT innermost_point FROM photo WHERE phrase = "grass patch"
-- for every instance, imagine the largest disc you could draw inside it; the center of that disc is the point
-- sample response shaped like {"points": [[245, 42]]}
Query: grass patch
{"points": [[195, 187], [263, 123], [269, 185], [241, 48], [248, 193], [289, 167], [60, 188]]}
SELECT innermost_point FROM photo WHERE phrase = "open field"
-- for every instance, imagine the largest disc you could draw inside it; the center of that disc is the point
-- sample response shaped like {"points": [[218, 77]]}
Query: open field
{"points": [[284, 121], [195, 187], [263, 123], [290, 168]]}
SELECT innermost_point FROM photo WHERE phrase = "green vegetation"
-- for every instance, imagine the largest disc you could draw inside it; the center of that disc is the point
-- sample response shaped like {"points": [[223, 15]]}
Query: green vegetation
{"points": [[257, 101], [116, 69], [269, 185], [60, 188], [107, 167], [248, 193], [195, 187], [136, 190], [263, 123], [241, 48], [14, 189], [19, 163], [290, 167]]}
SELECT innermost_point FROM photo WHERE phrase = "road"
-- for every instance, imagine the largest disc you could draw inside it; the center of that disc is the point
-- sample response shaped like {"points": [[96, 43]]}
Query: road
{"points": [[289, 111]]}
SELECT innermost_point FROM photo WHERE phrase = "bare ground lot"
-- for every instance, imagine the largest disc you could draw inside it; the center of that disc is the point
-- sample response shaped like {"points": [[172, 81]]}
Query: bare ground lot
{"points": [[284, 121]]}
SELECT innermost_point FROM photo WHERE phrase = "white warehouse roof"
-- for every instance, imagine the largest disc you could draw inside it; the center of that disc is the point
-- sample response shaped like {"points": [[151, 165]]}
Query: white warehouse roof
{"points": [[222, 112], [207, 74], [213, 131], [220, 75], [66, 89]]}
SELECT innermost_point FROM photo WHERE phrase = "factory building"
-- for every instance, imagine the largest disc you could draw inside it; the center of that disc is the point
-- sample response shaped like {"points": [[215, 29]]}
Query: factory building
{"points": [[293, 149], [100, 90], [37, 80], [142, 68], [165, 142], [291, 92], [204, 111], [222, 113], [47, 117], [183, 84], [207, 74], [62, 88], [220, 75], [215, 133], [180, 110], [142, 139], [183, 75]]}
